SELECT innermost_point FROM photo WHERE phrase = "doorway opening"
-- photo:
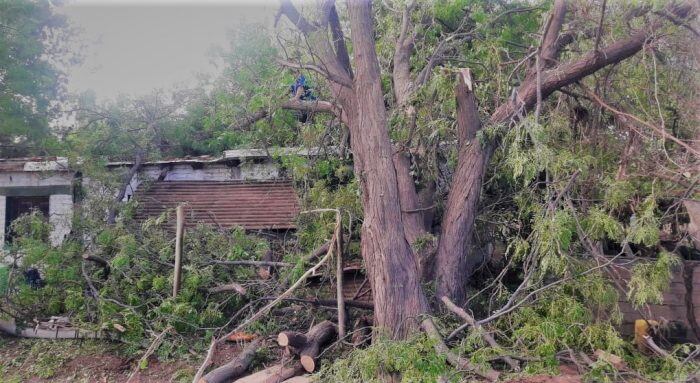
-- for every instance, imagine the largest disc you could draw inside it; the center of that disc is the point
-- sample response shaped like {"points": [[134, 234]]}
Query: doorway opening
{"points": [[18, 206]]}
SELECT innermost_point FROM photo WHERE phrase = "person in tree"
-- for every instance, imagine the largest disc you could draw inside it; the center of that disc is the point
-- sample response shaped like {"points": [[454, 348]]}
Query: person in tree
{"points": [[300, 90]]}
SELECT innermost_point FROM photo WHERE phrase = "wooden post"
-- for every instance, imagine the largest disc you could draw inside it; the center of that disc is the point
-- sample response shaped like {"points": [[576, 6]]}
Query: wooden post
{"points": [[339, 277], [179, 232]]}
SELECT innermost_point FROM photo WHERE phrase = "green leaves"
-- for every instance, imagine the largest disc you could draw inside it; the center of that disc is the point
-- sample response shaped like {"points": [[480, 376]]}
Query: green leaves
{"points": [[29, 81], [644, 225], [554, 234], [650, 278], [415, 360], [599, 225]]}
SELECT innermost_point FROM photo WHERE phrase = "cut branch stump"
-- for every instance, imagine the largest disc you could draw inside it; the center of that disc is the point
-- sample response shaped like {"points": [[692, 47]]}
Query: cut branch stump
{"points": [[234, 368], [308, 345]]}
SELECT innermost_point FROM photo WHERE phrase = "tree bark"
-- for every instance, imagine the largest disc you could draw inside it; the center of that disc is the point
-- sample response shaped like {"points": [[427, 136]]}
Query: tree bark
{"points": [[234, 368], [398, 297], [317, 337], [453, 263], [308, 345]]}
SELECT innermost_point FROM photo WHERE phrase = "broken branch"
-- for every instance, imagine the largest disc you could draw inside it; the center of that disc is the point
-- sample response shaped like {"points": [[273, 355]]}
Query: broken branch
{"points": [[234, 368], [487, 337], [455, 360]]}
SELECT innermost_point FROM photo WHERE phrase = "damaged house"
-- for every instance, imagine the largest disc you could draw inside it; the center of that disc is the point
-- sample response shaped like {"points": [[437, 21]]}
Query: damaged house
{"points": [[240, 188], [42, 184]]}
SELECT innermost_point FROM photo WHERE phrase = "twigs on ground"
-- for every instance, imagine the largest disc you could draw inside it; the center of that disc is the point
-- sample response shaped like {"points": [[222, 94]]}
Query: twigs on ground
{"points": [[229, 287], [339, 275], [455, 360], [206, 362], [279, 299], [331, 247], [250, 263], [151, 349], [487, 337], [331, 303]]}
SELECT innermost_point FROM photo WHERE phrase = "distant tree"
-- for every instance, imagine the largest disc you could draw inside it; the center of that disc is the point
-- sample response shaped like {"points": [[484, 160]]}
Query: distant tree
{"points": [[130, 129], [33, 52]]}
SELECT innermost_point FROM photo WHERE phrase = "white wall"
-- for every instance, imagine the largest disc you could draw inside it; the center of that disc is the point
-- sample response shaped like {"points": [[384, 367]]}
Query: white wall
{"points": [[60, 217]]}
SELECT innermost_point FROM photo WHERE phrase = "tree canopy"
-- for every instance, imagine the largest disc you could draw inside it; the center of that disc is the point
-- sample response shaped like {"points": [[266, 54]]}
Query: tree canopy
{"points": [[33, 51]]}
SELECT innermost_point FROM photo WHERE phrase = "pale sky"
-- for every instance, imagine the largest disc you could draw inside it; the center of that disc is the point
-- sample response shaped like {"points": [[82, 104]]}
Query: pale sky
{"points": [[135, 46]]}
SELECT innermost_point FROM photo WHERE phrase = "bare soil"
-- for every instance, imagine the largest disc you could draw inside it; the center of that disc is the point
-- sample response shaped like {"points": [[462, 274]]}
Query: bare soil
{"points": [[63, 361], [39, 361]]}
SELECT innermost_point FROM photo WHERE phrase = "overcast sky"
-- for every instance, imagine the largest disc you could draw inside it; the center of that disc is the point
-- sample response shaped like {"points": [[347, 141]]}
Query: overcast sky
{"points": [[134, 46]]}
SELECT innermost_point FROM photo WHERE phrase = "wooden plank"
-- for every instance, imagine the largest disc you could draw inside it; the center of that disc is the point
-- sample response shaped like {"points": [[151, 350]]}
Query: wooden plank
{"points": [[179, 232]]}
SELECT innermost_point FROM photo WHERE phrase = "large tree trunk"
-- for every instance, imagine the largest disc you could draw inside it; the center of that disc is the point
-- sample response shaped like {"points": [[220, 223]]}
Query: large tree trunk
{"points": [[398, 297], [388, 193], [453, 265]]}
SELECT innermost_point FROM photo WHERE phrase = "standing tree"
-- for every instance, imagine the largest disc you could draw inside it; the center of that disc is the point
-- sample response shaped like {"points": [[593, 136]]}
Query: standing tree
{"points": [[393, 213], [33, 51]]}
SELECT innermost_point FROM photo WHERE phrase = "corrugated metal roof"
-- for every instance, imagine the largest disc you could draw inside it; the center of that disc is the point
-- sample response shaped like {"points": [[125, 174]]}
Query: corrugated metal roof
{"points": [[252, 205]]}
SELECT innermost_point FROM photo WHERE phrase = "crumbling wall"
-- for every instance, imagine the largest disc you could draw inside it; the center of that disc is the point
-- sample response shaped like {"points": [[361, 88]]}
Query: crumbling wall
{"points": [[50, 178], [248, 170], [60, 217]]}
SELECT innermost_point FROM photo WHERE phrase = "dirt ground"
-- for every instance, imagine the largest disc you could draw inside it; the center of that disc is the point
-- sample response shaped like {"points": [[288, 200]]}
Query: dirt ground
{"points": [[39, 361], [63, 361]]}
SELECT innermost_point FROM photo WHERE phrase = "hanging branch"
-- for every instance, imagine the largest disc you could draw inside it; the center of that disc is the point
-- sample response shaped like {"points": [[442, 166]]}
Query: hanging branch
{"points": [[662, 132]]}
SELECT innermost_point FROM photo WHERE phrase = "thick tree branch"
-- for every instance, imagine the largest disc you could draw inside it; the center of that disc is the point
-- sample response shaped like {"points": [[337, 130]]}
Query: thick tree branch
{"points": [[306, 106], [549, 50], [453, 262], [403, 84], [573, 71], [288, 9]]}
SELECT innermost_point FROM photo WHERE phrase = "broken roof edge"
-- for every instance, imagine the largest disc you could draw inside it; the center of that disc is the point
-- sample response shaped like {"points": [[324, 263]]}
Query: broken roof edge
{"points": [[279, 151], [239, 154], [34, 164]]}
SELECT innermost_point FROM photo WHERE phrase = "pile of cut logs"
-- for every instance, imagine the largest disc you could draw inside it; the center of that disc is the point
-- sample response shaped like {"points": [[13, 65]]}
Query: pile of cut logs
{"points": [[301, 353]]}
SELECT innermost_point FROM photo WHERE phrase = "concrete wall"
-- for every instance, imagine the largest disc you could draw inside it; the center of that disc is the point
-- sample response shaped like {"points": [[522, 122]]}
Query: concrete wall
{"points": [[60, 217], [34, 179], [41, 179]]}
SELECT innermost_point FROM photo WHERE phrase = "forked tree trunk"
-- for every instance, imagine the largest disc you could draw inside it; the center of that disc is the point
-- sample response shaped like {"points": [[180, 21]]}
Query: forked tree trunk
{"points": [[386, 184], [398, 297]]}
